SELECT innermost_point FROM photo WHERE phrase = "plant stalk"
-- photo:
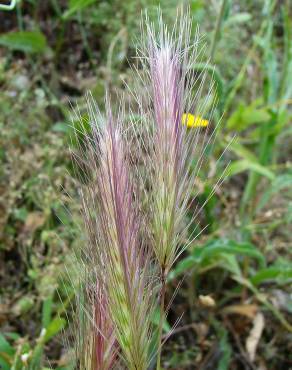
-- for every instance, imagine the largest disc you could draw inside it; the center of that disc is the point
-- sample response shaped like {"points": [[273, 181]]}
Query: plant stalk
{"points": [[217, 30], [161, 318]]}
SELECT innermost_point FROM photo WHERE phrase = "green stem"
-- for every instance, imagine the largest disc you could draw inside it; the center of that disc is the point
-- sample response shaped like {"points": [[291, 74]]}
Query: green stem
{"points": [[85, 39], [217, 30], [161, 318], [267, 134], [266, 147], [19, 16]]}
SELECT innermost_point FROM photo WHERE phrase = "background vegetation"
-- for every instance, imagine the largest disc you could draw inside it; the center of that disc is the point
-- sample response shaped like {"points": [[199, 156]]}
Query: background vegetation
{"points": [[235, 297]]}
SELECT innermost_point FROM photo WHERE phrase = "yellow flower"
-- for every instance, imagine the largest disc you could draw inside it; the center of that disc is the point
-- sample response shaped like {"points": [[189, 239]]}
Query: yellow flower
{"points": [[190, 120]]}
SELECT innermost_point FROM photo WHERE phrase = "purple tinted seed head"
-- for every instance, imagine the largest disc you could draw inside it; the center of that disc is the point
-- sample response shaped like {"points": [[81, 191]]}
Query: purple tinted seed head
{"points": [[113, 226]]}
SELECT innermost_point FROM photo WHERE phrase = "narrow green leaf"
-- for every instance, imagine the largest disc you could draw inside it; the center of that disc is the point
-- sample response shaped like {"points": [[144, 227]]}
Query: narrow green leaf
{"points": [[37, 356], [216, 247], [47, 312], [286, 78], [245, 164], [218, 253], [54, 328], [225, 350], [75, 6]]}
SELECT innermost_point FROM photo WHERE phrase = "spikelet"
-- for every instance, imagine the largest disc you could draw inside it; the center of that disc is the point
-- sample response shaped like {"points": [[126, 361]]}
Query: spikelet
{"points": [[173, 92], [122, 262], [97, 346]]}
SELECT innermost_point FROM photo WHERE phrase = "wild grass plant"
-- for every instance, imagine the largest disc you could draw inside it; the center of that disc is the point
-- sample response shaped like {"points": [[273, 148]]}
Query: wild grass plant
{"points": [[124, 268]]}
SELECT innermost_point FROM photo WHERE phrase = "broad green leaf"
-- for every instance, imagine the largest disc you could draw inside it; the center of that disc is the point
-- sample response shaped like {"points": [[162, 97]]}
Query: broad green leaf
{"points": [[218, 246], [229, 263], [281, 274], [26, 41], [246, 116], [218, 253], [77, 5], [5, 346], [244, 165], [6, 353], [184, 265]]}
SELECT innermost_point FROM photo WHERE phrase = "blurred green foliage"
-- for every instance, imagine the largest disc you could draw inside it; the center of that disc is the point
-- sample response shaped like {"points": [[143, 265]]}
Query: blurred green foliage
{"points": [[56, 50]]}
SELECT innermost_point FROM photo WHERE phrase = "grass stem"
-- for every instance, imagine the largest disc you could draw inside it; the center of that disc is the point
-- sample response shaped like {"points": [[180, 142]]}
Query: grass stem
{"points": [[217, 30], [161, 318]]}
